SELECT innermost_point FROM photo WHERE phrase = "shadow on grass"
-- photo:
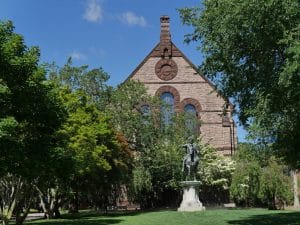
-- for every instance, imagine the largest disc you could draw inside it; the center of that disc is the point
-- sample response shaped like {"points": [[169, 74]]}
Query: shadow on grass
{"points": [[91, 218], [292, 218], [87, 218], [86, 221], [101, 214]]}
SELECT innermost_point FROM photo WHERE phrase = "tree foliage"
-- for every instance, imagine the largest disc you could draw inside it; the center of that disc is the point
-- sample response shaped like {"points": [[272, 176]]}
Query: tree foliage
{"points": [[158, 173], [158, 155], [275, 184], [246, 183], [252, 52], [215, 169], [101, 156], [125, 109], [30, 114], [92, 82], [260, 179]]}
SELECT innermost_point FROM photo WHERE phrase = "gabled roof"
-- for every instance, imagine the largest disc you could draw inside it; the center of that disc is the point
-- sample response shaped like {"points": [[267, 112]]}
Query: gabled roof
{"points": [[166, 48]]}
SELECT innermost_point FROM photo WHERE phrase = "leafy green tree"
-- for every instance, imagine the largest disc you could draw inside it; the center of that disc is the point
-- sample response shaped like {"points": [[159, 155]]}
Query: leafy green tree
{"points": [[127, 116], [276, 186], [29, 117], [157, 169], [251, 51], [91, 82], [260, 178], [105, 188], [250, 160], [158, 173], [101, 156], [245, 184]]}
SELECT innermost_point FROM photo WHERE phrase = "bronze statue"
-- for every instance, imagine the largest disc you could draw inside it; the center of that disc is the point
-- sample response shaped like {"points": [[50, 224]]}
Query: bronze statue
{"points": [[191, 158]]}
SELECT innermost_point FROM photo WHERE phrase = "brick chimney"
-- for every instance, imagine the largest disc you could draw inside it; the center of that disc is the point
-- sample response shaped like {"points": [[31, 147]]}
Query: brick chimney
{"points": [[165, 29], [165, 37]]}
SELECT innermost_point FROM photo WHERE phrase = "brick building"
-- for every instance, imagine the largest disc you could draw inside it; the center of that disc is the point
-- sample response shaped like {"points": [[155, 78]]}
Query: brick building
{"points": [[168, 73]]}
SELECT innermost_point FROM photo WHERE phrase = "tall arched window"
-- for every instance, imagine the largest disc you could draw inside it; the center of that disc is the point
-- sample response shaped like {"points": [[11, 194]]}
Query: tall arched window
{"points": [[167, 109], [191, 119]]}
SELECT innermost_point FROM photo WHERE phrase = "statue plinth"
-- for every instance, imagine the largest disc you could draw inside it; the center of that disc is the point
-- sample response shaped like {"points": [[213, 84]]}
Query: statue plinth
{"points": [[190, 199]]}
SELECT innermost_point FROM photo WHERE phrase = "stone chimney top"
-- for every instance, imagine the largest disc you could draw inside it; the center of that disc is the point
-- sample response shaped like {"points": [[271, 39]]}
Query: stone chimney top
{"points": [[165, 35]]}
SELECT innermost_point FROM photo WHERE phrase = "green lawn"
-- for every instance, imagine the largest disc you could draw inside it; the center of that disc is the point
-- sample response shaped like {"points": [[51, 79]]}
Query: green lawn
{"points": [[208, 217]]}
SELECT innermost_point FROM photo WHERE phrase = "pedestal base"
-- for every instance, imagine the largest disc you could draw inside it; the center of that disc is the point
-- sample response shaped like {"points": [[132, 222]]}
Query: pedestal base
{"points": [[190, 199]]}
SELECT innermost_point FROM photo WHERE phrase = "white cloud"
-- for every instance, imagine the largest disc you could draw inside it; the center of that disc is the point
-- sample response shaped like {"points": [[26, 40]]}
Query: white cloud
{"points": [[132, 19], [93, 11], [78, 56]]}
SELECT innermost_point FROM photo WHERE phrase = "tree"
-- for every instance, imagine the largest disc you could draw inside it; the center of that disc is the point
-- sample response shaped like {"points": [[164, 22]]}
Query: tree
{"points": [[29, 117], [295, 188], [101, 156], [91, 82], [245, 187], [157, 169], [275, 185], [127, 116], [158, 173], [251, 51], [246, 183], [260, 178]]}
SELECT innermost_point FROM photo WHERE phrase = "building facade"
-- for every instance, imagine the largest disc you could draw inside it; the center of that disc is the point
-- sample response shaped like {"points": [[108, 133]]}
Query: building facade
{"points": [[169, 74]]}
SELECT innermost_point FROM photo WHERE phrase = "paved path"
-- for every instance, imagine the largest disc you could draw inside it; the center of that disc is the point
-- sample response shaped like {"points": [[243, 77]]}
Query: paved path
{"points": [[34, 216]]}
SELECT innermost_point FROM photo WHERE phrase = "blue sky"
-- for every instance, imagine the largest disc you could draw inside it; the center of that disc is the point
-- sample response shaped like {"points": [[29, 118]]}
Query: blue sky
{"points": [[113, 34]]}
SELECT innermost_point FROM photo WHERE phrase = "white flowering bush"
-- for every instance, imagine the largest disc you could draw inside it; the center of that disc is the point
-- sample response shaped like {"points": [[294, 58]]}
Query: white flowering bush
{"points": [[215, 169]]}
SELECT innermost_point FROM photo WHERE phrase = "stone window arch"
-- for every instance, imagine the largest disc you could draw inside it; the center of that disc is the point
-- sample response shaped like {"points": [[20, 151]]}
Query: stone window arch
{"points": [[174, 92], [193, 102]]}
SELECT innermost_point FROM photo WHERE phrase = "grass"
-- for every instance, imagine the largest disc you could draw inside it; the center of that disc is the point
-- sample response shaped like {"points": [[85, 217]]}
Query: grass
{"points": [[208, 217]]}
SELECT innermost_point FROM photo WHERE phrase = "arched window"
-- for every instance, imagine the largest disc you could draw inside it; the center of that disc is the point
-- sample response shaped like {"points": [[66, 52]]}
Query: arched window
{"points": [[145, 109], [191, 119], [146, 113], [167, 108]]}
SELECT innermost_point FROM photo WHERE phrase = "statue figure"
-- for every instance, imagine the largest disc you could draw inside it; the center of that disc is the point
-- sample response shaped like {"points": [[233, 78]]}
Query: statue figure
{"points": [[191, 158]]}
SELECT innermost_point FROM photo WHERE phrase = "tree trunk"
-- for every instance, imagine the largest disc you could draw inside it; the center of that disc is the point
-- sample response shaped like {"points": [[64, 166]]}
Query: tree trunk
{"points": [[21, 216], [295, 184], [7, 213], [5, 221], [10, 187], [74, 204], [24, 204], [50, 203]]}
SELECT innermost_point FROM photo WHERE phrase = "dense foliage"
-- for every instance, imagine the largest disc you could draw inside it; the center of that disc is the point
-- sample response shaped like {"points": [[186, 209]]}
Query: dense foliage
{"points": [[29, 117], [158, 155], [260, 179], [101, 156]]}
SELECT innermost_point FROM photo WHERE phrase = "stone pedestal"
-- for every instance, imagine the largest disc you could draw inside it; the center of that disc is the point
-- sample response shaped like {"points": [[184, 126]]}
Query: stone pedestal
{"points": [[190, 199]]}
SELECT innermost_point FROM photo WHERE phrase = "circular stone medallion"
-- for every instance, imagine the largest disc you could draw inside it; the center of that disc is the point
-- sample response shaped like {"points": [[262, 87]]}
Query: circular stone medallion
{"points": [[166, 69]]}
